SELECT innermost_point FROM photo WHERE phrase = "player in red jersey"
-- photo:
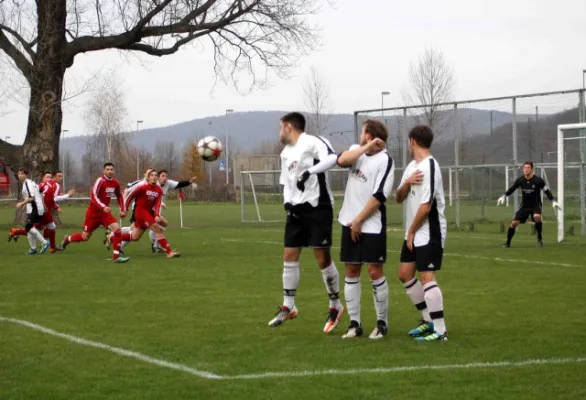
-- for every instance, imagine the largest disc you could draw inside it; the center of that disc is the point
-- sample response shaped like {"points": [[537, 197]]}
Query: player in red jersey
{"points": [[99, 212], [148, 197]]}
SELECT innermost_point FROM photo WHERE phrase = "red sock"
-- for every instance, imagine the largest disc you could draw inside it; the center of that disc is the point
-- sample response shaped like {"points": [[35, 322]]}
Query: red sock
{"points": [[50, 234], [126, 237], [116, 241], [164, 244], [20, 232], [75, 238]]}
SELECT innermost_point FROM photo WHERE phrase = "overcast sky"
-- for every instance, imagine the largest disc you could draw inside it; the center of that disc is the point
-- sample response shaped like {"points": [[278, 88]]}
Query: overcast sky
{"points": [[496, 48]]}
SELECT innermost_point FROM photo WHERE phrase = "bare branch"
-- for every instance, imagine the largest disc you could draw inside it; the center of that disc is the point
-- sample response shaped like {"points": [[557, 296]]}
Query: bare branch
{"points": [[25, 45], [316, 98], [21, 62]]}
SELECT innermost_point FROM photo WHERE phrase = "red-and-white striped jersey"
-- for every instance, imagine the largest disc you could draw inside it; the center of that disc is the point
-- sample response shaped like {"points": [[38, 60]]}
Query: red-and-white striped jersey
{"points": [[102, 191], [49, 191], [147, 198]]}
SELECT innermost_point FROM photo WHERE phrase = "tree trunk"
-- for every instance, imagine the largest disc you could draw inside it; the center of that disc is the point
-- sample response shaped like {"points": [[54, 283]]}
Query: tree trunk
{"points": [[40, 150]]}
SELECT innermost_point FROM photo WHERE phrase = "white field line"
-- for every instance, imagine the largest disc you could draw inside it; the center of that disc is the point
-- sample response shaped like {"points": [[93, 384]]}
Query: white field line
{"points": [[112, 349], [497, 259], [289, 374]]}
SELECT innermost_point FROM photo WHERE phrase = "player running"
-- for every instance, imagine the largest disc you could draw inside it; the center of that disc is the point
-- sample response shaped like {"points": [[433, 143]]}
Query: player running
{"points": [[364, 218], [35, 209], [99, 212], [531, 186], [308, 203], [148, 197], [422, 191]]}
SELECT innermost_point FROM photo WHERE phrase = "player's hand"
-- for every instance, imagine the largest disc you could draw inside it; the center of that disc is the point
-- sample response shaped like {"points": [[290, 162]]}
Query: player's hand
{"points": [[193, 180], [501, 200], [59, 210], [410, 239], [122, 214], [163, 205], [20, 204], [157, 219], [416, 178], [290, 210], [107, 210], [556, 206], [302, 179], [70, 192], [376, 144], [356, 230]]}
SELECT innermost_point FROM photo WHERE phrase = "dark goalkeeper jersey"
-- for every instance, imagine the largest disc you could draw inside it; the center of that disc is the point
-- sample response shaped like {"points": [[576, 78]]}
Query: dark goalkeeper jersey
{"points": [[530, 189]]}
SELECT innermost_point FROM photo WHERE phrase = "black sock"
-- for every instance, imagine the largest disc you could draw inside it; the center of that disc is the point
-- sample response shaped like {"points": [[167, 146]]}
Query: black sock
{"points": [[510, 234], [538, 228]]}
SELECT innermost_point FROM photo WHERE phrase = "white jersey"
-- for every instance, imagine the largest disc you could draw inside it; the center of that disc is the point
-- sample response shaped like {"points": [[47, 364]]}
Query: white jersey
{"points": [[369, 176], [31, 189], [169, 185], [430, 190], [298, 158]]}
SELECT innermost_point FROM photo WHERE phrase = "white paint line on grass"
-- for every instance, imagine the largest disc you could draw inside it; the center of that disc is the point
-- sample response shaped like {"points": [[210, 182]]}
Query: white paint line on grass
{"points": [[286, 374], [112, 349], [359, 371], [496, 259]]}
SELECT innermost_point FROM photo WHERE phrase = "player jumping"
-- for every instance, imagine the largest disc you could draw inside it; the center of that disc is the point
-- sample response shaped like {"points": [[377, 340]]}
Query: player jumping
{"points": [[531, 186], [99, 212]]}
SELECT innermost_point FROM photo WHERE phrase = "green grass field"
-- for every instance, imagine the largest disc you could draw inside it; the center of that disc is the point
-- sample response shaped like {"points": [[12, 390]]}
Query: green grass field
{"points": [[519, 310]]}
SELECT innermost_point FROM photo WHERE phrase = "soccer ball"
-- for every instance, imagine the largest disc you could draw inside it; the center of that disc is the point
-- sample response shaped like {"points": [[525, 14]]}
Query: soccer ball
{"points": [[209, 148]]}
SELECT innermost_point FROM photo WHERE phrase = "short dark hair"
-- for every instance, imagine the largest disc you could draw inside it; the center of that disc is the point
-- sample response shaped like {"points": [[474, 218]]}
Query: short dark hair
{"points": [[163, 171], [57, 172], [296, 119], [423, 136], [376, 129], [108, 164], [529, 162], [23, 170], [47, 172]]}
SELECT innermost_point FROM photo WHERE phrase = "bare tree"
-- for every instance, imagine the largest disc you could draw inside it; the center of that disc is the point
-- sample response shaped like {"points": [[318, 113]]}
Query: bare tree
{"points": [[316, 98], [106, 119], [432, 83], [42, 38], [69, 167], [166, 157]]}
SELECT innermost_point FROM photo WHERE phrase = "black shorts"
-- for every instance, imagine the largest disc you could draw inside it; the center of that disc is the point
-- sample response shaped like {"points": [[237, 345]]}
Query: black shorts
{"points": [[427, 258], [32, 219], [523, 214], [309, 226], [370, 249], [132, 217]]}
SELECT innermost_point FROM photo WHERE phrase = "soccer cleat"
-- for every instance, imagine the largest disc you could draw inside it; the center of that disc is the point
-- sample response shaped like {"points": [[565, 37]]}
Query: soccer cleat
{"points": [[12, 235], [31, 252], [153, 248], [380, 331], [539, 243], [174, 254], [334, 316], [432, 336], [506, 245], [122, 259], [64, 243], [54, 250], [45, 247], [283, 314], [354, 330], [424, 328], [107, 240]]}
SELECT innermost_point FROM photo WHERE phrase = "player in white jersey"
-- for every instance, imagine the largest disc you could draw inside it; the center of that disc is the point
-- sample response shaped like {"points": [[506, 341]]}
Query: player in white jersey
{"points": [[422, 191], [308, 203], [35, 208], [364, 218]]}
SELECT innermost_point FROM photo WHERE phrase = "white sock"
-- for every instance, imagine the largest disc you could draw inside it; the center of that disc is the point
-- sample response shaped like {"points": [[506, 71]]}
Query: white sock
{"points": [[332, 282], [352, 293], [290, 283], [32, 240], [435, 303], [417, 296], [125, 229], [123, 244], [380, 294], [153, 237], [38, 235]]}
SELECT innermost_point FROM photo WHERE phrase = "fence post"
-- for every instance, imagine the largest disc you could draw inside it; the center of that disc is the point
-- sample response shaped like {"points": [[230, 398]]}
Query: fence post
{"points": [[582, 114], [515, 155], [356, 128], [450, 185], [405, 146], [457, 162]]}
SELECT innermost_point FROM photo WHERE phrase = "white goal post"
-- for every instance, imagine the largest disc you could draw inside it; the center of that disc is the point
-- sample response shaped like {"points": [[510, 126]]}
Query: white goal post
{"points": [[561, 139]]}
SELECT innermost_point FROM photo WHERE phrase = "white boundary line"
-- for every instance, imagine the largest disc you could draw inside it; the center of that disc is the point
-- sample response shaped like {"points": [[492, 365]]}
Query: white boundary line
{"points": [[497, 259], [289, 374]]}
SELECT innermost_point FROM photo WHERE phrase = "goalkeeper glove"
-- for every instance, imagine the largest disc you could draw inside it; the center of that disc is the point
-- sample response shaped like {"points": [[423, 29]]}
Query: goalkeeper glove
{"points": [[302, 179], [290, 210], [556, 205], [501, 200]]}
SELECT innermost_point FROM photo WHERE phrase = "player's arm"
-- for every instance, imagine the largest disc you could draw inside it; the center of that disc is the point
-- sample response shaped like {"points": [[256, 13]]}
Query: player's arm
{"points": [[131, 195], [509, 191], [287, 189], [405, 186], [158, 204], [65, 196], [427, 197], [94, 197], [549, 194], [175, 185], [322, 151], [350, 156], [38, 198], [120, 199]]}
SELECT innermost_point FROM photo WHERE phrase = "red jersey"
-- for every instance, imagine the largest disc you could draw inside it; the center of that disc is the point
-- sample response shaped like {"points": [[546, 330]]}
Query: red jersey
{"points": [[102, 191], [147, 198], [49, 190]]}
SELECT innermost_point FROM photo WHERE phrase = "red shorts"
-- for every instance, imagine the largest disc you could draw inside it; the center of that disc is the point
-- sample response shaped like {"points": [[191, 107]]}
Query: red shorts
{"points": [[47, 218], [143, 219], [95, 219]]}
